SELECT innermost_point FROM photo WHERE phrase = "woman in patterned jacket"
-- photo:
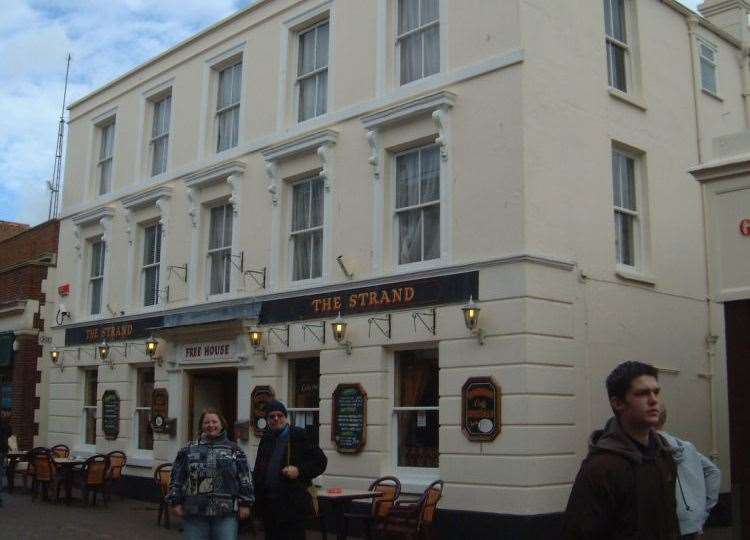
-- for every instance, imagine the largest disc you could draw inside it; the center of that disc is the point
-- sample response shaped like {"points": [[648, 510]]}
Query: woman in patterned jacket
{"points": [[210, 485]]}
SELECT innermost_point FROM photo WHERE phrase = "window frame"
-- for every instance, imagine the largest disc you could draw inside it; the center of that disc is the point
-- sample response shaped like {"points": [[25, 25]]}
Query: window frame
{"points": [[299, 78], [162, 136], [222, 112], [291, 380], [713, 62], [87, 407], [420, 206], [420, 29], [309, 231], [227, 285], [638, 214], [423, 473], [156, 265], [108, 159], [96, 279]]}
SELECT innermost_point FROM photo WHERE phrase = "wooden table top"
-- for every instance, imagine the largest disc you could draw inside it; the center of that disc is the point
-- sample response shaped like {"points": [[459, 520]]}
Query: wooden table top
{"points": [[348, 494], [69, 461]]}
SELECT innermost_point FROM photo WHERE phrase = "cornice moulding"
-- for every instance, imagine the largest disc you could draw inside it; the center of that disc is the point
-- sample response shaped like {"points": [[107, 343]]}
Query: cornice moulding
{"points": [[93, 216], [213, 174], [146, 198], [308, 143], [409, 109]]}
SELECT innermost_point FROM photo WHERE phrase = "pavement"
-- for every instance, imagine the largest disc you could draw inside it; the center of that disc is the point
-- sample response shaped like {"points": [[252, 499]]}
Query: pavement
{"points": [[123, 519]]}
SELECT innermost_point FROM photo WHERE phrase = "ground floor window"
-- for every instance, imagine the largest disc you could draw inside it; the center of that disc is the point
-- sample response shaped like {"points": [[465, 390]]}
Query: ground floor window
{"points": [[143, 408], [90, 383], [304, 395], [416, 408]]}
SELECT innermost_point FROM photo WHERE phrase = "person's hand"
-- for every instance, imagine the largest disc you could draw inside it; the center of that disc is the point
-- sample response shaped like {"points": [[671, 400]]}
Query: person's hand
{"points": [[291, 472], [244, 512], [178, 511]]}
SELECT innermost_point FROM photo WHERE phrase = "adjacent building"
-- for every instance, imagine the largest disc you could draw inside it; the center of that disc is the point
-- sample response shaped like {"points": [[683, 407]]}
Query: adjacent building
{"points": [[306, 199]]}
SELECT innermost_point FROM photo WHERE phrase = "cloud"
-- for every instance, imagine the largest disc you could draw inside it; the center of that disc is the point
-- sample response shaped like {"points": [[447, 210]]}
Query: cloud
{"points": [[106, 39]]}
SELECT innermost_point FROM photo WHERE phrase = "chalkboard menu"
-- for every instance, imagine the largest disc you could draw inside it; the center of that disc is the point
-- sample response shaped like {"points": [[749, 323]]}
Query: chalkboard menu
{"points": [[258, 399], [111, 414], [349, 428], [480, 409]]}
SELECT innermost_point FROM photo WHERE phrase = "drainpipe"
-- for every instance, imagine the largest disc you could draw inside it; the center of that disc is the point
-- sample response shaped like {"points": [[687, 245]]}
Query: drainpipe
{"points": [[693, 24]]}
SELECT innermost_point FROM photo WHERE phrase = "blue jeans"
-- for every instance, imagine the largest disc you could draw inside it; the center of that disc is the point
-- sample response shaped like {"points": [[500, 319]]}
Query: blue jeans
{"points": [[210, 528]]}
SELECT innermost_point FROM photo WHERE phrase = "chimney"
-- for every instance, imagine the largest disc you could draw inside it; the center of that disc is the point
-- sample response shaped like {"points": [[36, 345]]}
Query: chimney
{"points": [[729, 15]]}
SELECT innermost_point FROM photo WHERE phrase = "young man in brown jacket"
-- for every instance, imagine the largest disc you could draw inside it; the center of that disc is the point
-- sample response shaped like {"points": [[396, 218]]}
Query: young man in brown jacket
{"points": [[626, 485]]}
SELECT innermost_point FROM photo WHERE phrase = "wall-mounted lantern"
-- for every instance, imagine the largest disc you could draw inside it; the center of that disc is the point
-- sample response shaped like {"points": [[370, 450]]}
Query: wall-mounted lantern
{"points": [[471, 319], [339, 327]]}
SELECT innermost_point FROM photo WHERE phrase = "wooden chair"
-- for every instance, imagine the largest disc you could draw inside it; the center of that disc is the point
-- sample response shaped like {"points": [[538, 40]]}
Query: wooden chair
{"points": [[390, 487], [45, 474], [93, 478], [60, 451], [117, 461], [414, 521], [162, 476]]}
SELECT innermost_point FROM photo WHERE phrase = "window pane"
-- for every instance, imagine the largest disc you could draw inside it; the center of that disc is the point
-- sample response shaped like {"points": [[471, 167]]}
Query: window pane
{"points": [[430, 182], [432, 232], [301, 206], [409, 236], [316, 203], [301, 263], [90, 414], [411, 58], [96, 296], [228, 219], [151, 286], [307, 98], [149, 244], [418, 438], [317, 254], [618, 21], [429, 11], [418, 379], [219, 262], [306, 52], [91, 381], [623, 175], [97, 258], [322, 93], [145, 435], [407, 180], [616, 67], [236, 83], [306, 383], [707, 52], [408, 15], [608, 17], [105, 176], [708, 76], [431, 51], [159, 159], [216, 228], [625, 238], [321, 59]]}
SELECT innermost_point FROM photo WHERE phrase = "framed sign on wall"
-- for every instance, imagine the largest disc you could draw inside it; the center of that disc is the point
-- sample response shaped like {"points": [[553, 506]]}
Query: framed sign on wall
{"points": [[480, 409], [258, 399], [110, 414], [349, 418]]}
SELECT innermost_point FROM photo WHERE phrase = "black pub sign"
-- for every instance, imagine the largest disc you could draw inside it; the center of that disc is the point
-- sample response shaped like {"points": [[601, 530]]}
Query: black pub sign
{"points": [[112, 331], [391, 296]]}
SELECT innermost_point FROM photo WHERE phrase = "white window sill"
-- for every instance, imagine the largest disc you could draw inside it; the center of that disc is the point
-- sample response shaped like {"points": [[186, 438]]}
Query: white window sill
{"points": [[421, 265], [634, 275], [713, 95], [628, 98]]}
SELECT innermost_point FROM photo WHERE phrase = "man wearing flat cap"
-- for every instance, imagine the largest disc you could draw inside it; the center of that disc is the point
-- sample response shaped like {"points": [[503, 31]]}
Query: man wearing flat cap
{"points": [[285, 465]]}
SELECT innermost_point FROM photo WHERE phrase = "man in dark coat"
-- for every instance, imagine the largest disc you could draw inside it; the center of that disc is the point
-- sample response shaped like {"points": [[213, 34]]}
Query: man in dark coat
{"points": [[626, 485], [285, 465]]}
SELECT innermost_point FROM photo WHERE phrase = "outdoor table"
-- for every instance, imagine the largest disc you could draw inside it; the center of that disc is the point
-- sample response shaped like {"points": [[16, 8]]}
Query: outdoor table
{"points": [[13, 459], [68, 466], [338, 502]]}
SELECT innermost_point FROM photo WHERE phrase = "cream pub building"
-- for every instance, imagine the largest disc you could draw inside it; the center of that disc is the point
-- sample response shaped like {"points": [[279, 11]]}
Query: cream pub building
{"points": [[431, 227]]}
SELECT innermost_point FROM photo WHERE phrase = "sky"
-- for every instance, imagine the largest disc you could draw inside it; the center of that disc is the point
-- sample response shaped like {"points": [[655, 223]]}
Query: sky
{"points": [[105, 39]]}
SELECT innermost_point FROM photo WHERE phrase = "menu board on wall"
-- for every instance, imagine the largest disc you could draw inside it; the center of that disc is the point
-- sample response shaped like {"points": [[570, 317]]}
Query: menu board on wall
{"points": [[349, 429], [258, 399], [110, 414], [480, 409]]}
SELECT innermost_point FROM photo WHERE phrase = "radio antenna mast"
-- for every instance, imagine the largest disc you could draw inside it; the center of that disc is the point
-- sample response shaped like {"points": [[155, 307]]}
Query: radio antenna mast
{"points": [[54, 184]]}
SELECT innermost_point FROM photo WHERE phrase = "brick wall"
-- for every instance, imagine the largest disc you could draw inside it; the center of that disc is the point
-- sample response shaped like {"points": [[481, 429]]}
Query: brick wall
{"points": [[29, 244], [9, 228], [25, 401]]}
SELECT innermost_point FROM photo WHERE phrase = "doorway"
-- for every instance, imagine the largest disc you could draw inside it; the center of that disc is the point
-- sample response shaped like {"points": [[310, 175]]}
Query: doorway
{"points": [[737, 319], [213, 389]]}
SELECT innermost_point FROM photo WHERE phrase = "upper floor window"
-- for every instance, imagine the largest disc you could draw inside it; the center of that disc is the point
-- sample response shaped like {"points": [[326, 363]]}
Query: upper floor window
{"points": [[708, 67], [220, 249], [228, 106], [617, 44], [151, 264], [312, 71], [418, 39], [96, 277], [160, 135], [307, 229], [626, 208], [418, 204], [106, 151]]}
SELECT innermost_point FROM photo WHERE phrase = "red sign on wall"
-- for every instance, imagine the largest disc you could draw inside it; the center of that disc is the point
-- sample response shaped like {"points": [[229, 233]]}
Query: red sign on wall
{"points": [[745, 227], [64, 289]]}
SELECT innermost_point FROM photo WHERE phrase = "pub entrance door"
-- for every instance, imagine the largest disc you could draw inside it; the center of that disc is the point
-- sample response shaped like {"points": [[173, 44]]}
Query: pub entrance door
{"points": [[215, 389], [737, 319]]}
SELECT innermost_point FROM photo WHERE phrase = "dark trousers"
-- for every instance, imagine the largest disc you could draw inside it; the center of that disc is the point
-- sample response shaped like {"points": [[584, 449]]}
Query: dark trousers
{"points": [[279, 525]]}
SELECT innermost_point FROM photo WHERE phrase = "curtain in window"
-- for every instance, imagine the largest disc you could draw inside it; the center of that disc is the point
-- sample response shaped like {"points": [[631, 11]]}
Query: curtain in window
{"points": [[307, 214], [160, 135], [227, 106], [418, 430], [220, 248]]}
